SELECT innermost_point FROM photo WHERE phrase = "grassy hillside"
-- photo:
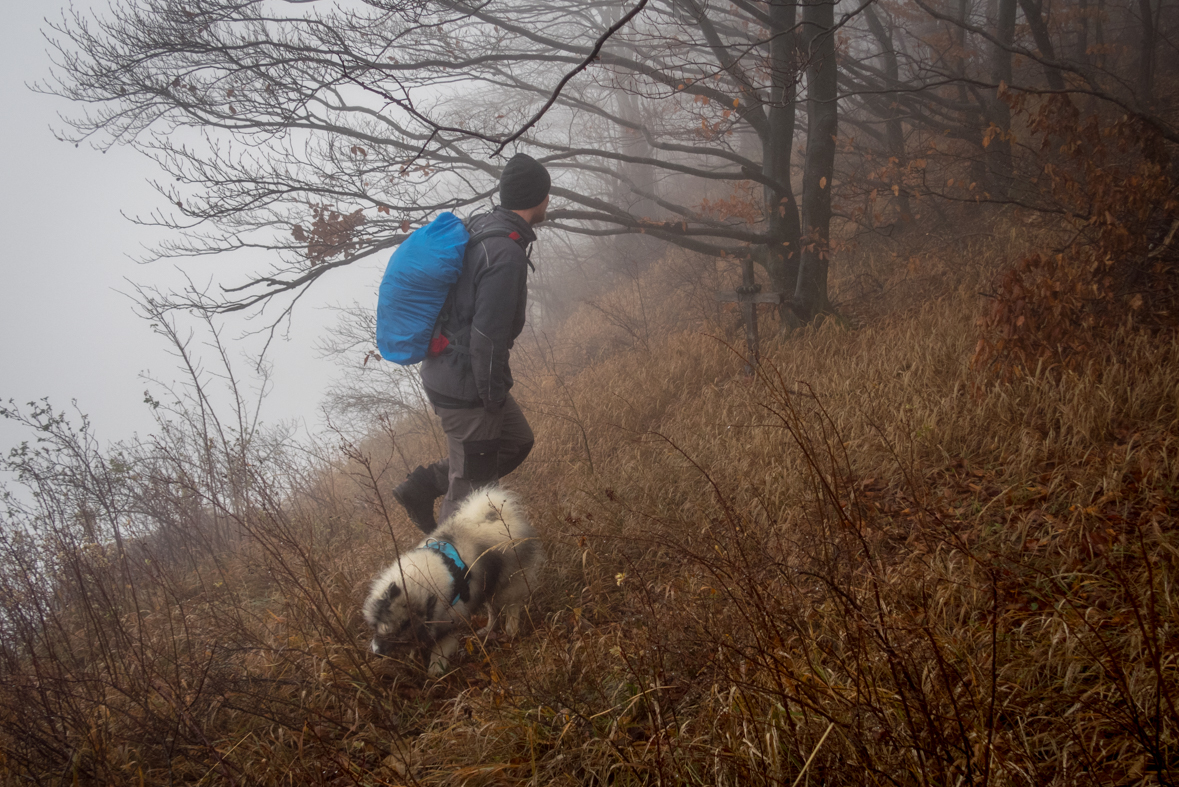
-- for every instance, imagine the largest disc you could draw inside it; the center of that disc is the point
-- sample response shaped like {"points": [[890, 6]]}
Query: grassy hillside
{"points": [[867, 564]]}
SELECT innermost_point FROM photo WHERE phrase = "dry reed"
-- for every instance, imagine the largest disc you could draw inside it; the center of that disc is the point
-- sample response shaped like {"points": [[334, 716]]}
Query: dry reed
{"points": [[867, 563]]}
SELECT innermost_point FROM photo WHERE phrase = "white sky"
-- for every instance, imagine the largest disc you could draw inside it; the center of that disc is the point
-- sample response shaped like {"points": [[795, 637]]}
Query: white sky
{"points": [[67, 329]]}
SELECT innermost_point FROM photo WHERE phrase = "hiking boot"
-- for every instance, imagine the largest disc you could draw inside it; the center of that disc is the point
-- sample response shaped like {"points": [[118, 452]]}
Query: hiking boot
{"points": [[417, 494]]}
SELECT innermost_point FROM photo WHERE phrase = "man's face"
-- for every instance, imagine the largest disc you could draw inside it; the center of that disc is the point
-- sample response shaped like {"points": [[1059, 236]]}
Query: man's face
{"points": [[540, 210]]}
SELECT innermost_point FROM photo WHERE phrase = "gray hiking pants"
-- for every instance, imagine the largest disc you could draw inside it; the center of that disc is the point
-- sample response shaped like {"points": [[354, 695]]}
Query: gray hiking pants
{"points": [[483, 447]]}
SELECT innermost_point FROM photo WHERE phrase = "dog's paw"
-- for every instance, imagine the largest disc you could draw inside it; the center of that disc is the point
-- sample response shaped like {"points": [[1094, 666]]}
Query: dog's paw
{"points": [[439, 665], [512, 623]]}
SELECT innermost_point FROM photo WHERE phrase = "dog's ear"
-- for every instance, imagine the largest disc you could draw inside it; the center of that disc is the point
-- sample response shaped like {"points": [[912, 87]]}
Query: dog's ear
{"points": [[392, 592]]}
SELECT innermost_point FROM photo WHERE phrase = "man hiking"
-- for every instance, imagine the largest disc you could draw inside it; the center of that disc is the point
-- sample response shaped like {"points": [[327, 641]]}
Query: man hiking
{"points": [[468, 383]]}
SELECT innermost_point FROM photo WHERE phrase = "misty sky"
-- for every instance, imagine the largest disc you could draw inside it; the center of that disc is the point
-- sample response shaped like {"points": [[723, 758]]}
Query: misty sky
{"points": [[67, 322]]}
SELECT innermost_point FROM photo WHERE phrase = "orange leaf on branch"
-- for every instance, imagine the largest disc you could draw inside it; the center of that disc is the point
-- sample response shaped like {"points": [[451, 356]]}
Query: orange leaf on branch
{"points": [[331, 233]]}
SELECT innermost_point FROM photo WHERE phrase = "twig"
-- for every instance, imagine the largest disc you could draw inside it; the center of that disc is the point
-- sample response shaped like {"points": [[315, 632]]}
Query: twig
{"points": [[1166, 242], [818, 746], [239, 743], [593, 55]]}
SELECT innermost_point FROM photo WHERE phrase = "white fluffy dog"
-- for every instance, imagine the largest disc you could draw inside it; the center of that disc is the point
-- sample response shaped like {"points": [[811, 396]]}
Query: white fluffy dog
{"points": [[484, 556]]}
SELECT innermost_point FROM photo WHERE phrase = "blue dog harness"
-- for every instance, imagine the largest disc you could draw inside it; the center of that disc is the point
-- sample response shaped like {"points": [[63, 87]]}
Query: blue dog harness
{"points": [[454, 564]]}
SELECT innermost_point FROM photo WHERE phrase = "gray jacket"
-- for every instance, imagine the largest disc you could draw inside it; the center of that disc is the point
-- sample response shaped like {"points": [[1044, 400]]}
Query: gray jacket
{"points": [[483, 318]]}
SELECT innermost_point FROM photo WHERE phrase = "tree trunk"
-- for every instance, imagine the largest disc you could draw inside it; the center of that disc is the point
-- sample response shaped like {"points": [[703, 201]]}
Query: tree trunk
{"points": [[818, 36], [1082, 53], [1039, 28], [998, 152], [1099, 34], [1146, 56], [975, 120], [783, 254], [633, 253], [894, 132]]}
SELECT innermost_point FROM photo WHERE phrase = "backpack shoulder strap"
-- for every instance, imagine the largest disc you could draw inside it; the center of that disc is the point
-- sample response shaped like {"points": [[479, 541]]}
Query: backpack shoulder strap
{"points": [[448, 304]]}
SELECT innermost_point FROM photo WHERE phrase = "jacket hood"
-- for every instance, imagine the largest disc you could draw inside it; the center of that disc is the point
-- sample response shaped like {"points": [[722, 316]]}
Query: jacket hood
{"points": [[503, 216]]}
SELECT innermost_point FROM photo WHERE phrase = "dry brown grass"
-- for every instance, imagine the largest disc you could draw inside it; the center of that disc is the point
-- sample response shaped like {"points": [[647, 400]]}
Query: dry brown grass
{"points": [[868, 563]]}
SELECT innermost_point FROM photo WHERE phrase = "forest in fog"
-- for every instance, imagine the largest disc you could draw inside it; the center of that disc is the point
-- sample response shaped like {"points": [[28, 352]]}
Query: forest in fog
{"points": [[850, 356]]}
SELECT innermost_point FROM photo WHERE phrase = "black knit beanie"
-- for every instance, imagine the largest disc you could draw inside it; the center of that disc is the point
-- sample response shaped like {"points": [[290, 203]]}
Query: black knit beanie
{"points": [[524, 183]]}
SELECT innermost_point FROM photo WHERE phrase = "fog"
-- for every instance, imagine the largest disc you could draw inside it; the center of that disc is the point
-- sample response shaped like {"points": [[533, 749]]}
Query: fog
{"points": [[70, 331], [713, 128]]}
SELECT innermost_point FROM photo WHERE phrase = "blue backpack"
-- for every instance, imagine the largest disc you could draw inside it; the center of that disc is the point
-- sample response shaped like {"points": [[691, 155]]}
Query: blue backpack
{"points": [[417, 283]]}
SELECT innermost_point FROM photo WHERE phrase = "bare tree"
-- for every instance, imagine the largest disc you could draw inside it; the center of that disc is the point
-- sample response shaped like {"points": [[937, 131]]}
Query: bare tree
{"points": [[325, 134], [322, 133]]}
